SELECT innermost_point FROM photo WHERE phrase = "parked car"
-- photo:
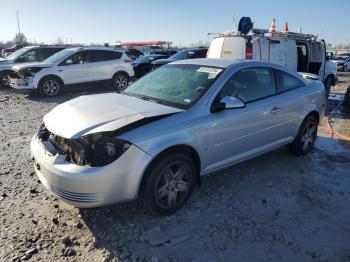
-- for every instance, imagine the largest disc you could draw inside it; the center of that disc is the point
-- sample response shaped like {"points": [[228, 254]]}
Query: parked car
{"points": [[166, 130], [133, 53], [27, 54], [342, 62], [183, 54], [75, 66], [7, 51], [161, 52], [142, 65]]}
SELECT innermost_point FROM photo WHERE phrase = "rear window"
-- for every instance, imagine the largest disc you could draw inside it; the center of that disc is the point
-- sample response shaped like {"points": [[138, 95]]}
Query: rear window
{"points": [[288, 82]]}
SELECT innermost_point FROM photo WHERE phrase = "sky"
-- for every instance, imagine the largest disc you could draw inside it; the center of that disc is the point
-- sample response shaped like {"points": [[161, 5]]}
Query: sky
{"points": [[181, 22]]}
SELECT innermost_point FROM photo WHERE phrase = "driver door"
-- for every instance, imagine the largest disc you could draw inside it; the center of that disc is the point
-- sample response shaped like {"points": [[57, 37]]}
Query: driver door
{"points": [[239, 133], [76, 69]]}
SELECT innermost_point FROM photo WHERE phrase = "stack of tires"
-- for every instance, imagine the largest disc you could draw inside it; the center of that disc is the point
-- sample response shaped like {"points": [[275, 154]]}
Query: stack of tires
{"points": [[346, 101]]}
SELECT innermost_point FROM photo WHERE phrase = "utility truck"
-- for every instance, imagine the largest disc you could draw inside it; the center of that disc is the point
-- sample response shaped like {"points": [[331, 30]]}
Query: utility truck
{"points": [[299, 52]]}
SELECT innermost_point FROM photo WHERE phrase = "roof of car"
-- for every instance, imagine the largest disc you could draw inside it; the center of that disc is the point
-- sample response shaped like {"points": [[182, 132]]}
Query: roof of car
{"points": [[224, 62], [193, 49], [209, 62], [95, 48]]}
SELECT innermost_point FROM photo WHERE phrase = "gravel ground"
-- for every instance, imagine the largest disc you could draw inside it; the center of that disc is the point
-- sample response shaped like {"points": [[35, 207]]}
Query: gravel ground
{"points": [[277, 207]]}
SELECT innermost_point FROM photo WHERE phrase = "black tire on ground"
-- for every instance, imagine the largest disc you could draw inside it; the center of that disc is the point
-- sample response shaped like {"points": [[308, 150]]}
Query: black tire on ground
{"points": [[170, 183], [328, 85], [120, 81], [50, 86], [4, 80], [306, 136]]}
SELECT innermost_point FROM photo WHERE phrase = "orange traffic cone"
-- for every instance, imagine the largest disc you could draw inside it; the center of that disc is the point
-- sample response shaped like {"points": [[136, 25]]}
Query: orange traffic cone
{"points": [[273, 26], [285, 29]]}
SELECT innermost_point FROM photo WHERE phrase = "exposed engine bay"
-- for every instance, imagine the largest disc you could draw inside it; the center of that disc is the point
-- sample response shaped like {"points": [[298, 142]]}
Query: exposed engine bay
{"points": [[93, 150]]}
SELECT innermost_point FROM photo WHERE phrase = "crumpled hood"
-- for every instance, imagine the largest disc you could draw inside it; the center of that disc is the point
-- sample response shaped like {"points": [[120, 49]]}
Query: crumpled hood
{"points": [[100, 113], [18, 67]]}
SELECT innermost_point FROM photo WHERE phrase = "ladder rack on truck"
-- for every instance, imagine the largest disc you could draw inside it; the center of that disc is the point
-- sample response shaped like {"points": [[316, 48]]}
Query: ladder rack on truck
{"points": [[289, 35]]}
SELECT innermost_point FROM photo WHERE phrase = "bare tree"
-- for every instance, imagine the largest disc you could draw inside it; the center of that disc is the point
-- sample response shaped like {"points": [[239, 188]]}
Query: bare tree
{"points": [[20, 39]]}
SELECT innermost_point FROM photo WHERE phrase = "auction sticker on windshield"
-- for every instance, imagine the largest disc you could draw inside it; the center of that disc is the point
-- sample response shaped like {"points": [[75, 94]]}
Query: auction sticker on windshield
{"points": [[213, 72]]}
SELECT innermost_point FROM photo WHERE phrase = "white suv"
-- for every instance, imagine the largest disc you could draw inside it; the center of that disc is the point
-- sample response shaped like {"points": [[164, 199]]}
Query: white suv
{"points": [[75, 66]]}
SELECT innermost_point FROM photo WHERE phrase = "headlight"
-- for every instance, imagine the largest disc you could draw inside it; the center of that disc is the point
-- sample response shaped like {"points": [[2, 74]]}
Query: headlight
{"points": [[104, 150], [93, 150]]}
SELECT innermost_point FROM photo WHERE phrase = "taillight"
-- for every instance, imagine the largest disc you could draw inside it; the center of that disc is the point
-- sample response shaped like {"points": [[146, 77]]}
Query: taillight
{"points": [[128, 61], [249, 51]]}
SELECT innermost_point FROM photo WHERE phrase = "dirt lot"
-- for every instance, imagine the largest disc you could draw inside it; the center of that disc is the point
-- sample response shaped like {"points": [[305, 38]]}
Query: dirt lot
{"points": [[276, 207]]}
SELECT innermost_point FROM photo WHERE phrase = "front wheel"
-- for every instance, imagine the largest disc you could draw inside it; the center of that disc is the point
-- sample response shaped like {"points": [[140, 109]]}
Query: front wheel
{"points": [[4, 80], [120, 81], [306, 136], [170, 183], [328, 85], [50, 86]]}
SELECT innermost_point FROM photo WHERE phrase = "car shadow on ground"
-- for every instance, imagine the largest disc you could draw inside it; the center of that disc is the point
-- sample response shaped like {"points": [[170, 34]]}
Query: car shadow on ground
{"points": [[264, 207]]}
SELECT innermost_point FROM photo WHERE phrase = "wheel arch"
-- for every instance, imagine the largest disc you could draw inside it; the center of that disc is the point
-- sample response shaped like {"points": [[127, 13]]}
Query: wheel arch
{"points": [[315, 114], [179, 148], [332, 76], [123, 71], [48, 76]]}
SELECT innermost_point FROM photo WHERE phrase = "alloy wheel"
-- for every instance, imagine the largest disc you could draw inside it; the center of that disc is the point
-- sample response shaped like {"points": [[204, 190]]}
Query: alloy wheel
{"points": [[120, 82], [173, 185], [51, 87], [308, 136]]}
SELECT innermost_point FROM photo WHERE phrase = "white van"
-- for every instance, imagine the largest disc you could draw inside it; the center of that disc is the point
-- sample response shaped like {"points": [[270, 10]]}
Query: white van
{"points": [[298, 52]]}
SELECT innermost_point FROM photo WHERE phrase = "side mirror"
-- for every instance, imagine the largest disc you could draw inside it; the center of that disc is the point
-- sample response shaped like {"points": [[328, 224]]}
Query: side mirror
{"points": [[69, 62], [227, 102]]}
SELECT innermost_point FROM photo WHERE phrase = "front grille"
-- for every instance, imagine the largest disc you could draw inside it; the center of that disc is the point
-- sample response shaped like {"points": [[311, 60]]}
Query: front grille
{"points": [[76, 197]]}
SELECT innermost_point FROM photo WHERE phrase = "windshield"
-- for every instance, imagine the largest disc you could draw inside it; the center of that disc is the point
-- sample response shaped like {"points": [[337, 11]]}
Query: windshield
{"points": [[17, 54], [178, 86], [148, 58], [182, 55], [58, 56]]}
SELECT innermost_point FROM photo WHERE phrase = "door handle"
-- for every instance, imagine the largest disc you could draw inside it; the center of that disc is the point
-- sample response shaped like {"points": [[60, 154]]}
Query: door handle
{"points": [[275, 110], [59, 70]]}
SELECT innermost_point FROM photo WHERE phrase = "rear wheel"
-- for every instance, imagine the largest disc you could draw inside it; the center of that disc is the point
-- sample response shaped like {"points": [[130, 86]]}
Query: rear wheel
{"points": [[120, 81], [170, 183], [328, 85], [306, 136], [50, 86]]}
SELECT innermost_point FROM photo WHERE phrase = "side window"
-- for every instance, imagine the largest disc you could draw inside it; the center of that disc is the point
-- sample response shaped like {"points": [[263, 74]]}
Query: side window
{"points": [[104, 55], [47, 52], [112, 55], [81, 57], [31, 56], [250, 84], [288, 82]]}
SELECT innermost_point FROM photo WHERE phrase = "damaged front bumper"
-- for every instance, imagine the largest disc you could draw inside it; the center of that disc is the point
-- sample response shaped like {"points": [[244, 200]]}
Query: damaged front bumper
{"points": [[85, 186], [21, 83]]}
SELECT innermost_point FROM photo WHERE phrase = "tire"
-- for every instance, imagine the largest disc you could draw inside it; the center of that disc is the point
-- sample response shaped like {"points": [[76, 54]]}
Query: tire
{"points": [[328, 85], [4, 80], [120, 81], [170, 183], [306, 136], [50, 86]]}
